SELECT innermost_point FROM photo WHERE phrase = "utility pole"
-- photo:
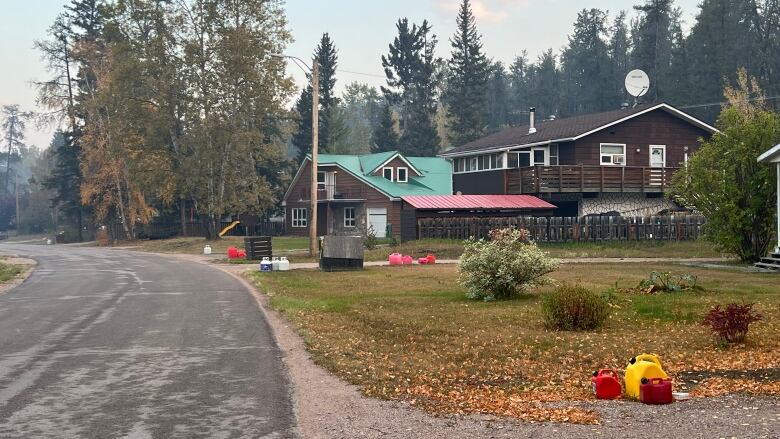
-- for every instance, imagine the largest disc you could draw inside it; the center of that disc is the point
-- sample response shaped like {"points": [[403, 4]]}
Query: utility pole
{"points": [[315, 135], [16, 187]]}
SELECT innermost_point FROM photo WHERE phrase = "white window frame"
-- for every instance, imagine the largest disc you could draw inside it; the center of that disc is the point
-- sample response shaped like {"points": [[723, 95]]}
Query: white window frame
{"points": [[392, 174], [398, 174], [612, 156], [299, 221], [650, 155], [557, 154], [350, 221]]}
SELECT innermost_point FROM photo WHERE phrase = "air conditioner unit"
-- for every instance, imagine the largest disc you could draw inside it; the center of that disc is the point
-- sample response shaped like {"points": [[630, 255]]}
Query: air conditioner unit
{"points": [[618, 159]]}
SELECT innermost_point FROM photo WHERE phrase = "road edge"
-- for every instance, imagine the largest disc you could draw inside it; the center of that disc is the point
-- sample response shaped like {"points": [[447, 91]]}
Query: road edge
{"points": [[30, 264]]}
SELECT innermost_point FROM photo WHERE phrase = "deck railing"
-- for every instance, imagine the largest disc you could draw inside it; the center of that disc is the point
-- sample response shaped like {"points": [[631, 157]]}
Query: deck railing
{"points": [[586, 178]]}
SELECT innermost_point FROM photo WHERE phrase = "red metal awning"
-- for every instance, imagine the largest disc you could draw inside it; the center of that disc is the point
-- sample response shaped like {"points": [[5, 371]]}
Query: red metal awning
{"points": [[477, 202]]}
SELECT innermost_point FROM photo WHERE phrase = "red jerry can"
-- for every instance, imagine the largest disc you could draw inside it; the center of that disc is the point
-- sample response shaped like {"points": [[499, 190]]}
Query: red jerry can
{"points": [[407, 260], [606, 385], [232, 253], [431, 259], [422, 261], [656, 391], [242, 254]]}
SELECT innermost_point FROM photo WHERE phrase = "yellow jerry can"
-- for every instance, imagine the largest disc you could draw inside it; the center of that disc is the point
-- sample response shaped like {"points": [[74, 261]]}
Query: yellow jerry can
{"points": [[642, 366]]}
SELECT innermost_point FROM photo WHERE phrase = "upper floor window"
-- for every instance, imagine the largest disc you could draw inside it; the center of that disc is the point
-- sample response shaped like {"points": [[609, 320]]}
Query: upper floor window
{"points": [[613, 154], [484, 162], [403, 175], [321, 180], [387, 173], [554, 151]]}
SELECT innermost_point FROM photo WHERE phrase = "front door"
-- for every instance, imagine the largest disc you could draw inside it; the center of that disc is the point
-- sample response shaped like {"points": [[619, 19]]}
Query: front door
{"points": [[657, 156], [377, 218]]}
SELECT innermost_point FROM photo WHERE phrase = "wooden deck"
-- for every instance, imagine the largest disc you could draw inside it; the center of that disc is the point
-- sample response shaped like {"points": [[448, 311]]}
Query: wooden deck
{"points": [[582, 178]]}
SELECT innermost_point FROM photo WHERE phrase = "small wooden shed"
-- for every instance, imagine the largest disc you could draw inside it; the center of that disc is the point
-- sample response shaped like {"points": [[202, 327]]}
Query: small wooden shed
{"points": [[773, 156]]}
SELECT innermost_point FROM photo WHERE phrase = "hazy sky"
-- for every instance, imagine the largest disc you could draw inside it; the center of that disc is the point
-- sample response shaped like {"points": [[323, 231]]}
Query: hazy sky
{"points": [[361, 30]]}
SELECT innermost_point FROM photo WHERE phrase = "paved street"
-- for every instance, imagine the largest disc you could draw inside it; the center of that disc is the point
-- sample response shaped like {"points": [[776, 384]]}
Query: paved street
{"points": [[107, 343]]}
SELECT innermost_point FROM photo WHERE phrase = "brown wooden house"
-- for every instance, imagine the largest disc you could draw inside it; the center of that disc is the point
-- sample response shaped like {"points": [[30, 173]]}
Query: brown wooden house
{"points": [[356, 193], [618, 161]]}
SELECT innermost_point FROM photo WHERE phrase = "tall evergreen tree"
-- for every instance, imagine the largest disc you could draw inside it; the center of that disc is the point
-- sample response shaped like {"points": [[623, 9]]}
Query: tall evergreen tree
{"points": [[385, 137], [467, 82], [497, 102], [519, 88], [586, 66], [652, 42], [326, 56], [302, 137], [544, 80], [409, 67], [619, 57]]}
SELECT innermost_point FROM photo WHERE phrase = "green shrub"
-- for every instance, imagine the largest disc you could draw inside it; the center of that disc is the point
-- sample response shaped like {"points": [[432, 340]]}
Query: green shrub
{"points": [[574, 308], [370, 241], [668, 282], [504, 266]]}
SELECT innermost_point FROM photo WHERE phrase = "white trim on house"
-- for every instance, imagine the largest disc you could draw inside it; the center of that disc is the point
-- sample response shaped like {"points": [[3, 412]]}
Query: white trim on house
{"points": [[392, 174], [303, 165], [302, 221], [398, 174], [352, 219], [650, 154], [397, 155], [665, 107], [612, 156]]}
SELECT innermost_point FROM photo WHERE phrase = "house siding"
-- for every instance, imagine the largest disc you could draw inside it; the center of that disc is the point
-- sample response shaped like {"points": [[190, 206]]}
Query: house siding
{"points": [[351, 187], [655, 128]]}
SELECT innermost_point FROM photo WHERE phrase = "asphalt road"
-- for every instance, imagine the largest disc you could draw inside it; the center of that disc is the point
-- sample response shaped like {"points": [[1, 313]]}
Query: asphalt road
{"points": [[107, 343]]}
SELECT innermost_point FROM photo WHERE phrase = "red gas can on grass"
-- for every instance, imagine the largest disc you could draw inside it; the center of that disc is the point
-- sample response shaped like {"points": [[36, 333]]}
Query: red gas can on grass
{"points": [[656, 391], [606, 385]]}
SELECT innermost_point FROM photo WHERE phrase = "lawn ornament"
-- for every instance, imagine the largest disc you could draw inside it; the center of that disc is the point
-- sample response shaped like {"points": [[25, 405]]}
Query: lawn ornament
{"points": [[642, 366], [656, 391], [606, 385]]}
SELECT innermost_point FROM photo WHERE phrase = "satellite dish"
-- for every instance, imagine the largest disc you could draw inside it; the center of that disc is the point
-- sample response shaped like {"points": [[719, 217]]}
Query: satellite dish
{"points": [[637, 83]]}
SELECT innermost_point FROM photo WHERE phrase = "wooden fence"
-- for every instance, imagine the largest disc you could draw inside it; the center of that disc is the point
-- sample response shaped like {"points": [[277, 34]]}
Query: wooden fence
{"points": [[570, 229]]}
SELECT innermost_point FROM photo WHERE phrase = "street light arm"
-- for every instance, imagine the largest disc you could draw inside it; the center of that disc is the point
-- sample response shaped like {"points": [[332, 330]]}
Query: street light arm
{"points": [[295, 58]]}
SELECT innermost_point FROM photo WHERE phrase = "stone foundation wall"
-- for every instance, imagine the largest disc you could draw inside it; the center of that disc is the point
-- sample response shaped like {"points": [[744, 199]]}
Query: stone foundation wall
{"points": [[626, 204]]}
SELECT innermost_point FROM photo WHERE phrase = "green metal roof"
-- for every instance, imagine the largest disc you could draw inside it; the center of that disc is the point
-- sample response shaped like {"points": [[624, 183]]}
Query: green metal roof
{"points": [[436, 173]]}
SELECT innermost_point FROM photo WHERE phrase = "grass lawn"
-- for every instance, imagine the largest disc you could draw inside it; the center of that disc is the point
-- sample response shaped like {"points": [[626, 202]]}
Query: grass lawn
{"points": [[194, 245], [8, 272], [409, 333]]}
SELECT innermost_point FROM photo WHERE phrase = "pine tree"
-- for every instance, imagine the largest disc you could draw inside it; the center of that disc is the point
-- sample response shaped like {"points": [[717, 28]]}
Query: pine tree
{"points": [[545, 85], [619, 57], [385, 138], [520, 88], [497, 102], [586, 66], [302, 137], [410, 68], [467, 87], [326, 56], [652, 42]]}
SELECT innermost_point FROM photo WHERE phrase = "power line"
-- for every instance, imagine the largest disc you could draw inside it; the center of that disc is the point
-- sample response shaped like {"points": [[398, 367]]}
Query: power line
{"points": [[361, 73], [724, 103]]}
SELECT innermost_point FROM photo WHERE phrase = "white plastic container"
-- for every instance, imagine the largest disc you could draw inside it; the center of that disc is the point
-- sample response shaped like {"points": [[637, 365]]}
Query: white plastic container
{"points": [[284, 264], [275, 264], [265, 265], [207, 250]]}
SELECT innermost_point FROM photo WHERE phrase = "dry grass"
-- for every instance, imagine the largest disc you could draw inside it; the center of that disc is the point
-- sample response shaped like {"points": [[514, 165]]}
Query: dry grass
{"points": [[409, 333], [194, 245], [9, 271]]}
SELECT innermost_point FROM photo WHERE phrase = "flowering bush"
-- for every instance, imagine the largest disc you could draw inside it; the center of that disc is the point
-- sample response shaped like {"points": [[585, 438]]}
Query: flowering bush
{"points": [[504, 266], [574, 308], [731, 323]]}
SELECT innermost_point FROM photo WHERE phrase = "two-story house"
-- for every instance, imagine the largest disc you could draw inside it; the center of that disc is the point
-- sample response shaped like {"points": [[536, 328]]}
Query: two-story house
{"points": [[360, 192], [617, 161]]}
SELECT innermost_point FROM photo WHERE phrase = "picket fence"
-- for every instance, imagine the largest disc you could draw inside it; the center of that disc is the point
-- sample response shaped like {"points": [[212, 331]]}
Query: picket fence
{"points": [[569, 229]]}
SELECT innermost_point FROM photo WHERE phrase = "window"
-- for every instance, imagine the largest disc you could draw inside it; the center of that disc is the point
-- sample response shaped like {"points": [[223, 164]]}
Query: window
{"points": [[474, 164], [539, 157], [321, 180], [300, 217], [349, 217], [403, 175], [613, 154], [387, 173], [554, 155]]}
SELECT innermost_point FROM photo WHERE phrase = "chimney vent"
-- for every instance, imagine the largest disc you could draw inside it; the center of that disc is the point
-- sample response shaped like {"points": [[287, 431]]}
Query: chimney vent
{"points": [[532, 127]]}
